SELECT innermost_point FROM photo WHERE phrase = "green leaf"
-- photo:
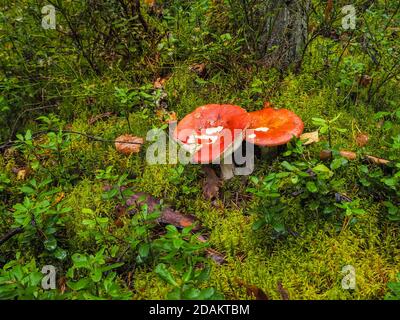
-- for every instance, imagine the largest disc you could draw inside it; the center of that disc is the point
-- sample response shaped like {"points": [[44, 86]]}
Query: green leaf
{"points": [[60, 254], [311, 187], [96, 275], [80, 260], [206, 294], [144, 250], [50, 244], [164, 274], [191, 294], [258, 224], [79, 285], [87, 211]]}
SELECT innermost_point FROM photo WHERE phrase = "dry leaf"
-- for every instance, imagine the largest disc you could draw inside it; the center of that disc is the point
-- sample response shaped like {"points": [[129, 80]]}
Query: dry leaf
{"points": [[159, 83], [377, 160], [128, 144], [165, 116], [365, 80], [211, 183], [310, 137], [199, 68], [21, 175], [168, 215], [62, 284], [215, 255], [150, 3], [96, 118], [348, 154], [362, 139], [59, 198], [252, 290], [283, 292], [325, 154]]}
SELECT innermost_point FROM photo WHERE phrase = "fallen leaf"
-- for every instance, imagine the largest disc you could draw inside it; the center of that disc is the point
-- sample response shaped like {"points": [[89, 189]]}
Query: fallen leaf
{"points": [[341, 197], [128, 144], [171, 117], [96, 118], [377, 160], [150, 3], [365, 80], [310, 137], [168, 215], [348, 154], [362, 139], [325, 154], [21, 174], [211, 183], [62, 284], [252, 290], [59, 198], [199, 68], [159, 83], [165, 116], [215, 255], [282, 291]]}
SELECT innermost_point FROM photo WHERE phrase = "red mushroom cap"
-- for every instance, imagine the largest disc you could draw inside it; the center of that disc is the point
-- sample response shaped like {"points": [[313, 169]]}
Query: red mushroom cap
{"points": [[273, 127], [211, 131]]}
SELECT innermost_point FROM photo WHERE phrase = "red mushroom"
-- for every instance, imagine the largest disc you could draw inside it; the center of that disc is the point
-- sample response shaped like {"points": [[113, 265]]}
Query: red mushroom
{"points": [[271, 127], [211, 133]]}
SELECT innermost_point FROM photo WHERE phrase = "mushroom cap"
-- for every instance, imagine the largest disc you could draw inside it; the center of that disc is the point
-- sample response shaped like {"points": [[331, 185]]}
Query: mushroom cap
{"points": [[271, 127], [128, 144], [212, 131]]}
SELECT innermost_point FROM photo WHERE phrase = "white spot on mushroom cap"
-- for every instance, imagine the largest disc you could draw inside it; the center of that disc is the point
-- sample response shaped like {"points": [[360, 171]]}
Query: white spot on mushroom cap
{"points": [[210, 131], [252, 136], [263, 129]]}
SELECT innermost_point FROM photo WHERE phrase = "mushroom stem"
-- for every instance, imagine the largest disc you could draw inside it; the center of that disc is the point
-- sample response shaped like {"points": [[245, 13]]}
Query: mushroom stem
{"points": [[227, 170]]}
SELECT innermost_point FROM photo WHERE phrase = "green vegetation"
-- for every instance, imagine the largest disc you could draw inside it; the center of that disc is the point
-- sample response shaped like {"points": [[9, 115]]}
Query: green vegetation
{"points": [[118, 68]]}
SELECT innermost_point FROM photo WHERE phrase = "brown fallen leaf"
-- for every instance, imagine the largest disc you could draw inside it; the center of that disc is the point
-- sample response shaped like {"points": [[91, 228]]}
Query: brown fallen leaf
{"points": [[348, 154], [120, 212], [128, 144], [62, 284], [219, 258], [309, 137], [58, 199], [325, 154], [362, 139], [211, 183], [150, 3], [252, 290], [159, 83], [21, 173], [98, 117], [376, 160], [168, 215], [165, 116], [365, 80], [199, 68], [282, 291]]}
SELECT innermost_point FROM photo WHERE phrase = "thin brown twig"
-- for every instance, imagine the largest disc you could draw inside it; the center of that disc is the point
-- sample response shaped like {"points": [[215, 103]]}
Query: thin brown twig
{"points": [[10, 234]]}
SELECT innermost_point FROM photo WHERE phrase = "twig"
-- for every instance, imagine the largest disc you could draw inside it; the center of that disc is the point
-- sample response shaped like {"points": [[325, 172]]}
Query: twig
{"points": [[4, 145], [10, 234]]}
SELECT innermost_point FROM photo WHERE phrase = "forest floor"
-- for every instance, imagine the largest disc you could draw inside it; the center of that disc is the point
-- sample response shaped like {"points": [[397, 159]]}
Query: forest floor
{"points": [[64, 189]]}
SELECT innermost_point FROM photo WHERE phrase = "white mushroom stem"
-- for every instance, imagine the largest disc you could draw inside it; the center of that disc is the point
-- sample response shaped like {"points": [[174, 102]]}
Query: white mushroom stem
{"points": [[227, 170]]}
